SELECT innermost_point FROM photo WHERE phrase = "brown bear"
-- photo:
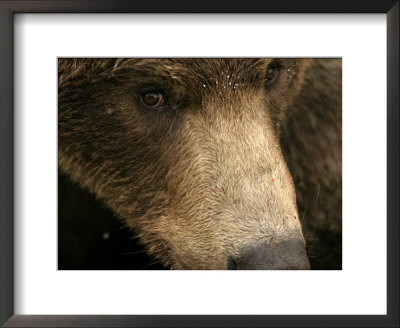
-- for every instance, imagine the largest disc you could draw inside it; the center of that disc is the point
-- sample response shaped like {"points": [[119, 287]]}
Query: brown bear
{"points": [[214, 163]]}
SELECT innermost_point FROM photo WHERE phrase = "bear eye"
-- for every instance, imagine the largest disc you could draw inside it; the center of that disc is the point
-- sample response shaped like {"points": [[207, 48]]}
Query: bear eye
{"points": [[271, 74], [155, 100]]}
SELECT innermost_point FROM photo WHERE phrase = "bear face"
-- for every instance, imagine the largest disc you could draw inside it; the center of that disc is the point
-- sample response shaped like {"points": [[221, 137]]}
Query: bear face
{"points": [[187, 152]]}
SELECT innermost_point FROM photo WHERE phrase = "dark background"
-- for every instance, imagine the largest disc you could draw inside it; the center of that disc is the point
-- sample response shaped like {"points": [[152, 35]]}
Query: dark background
{"points": [[91, 237]]}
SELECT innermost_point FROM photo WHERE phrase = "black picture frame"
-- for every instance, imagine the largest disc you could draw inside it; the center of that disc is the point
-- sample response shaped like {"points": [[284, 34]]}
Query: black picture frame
{"points": [[7, 11]]}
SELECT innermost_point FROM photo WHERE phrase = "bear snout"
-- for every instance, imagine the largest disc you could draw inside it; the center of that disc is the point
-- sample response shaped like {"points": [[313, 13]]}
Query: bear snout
{"points": [[285, 255]]}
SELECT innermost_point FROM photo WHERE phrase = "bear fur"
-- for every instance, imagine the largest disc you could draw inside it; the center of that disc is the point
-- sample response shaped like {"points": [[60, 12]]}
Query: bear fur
{"points": [[233, 160]]}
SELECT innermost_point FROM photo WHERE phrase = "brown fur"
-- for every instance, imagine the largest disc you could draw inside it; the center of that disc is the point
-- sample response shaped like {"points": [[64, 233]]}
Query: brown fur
{"points": [[312, 143], [206, 177]]}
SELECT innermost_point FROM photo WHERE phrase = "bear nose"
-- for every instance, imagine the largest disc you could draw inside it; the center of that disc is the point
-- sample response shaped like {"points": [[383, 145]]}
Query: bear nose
{"points": [[286, 255]]}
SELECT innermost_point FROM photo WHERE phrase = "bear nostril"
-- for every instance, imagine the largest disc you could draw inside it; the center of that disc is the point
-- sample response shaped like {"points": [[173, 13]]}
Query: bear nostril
{"points": [[232, 265]]}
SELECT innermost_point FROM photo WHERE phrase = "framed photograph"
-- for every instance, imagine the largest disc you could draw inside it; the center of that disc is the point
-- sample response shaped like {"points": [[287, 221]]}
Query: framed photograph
{"points": [[186, 164]]}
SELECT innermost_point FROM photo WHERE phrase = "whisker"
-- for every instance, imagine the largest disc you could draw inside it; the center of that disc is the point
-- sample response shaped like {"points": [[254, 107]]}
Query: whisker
{"points": [[319, 188], [150, 264], [138, 252]]}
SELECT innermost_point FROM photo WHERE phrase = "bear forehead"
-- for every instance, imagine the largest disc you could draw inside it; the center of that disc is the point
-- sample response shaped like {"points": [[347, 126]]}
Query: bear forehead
{"points": [[189, 73], [187, 66]]}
